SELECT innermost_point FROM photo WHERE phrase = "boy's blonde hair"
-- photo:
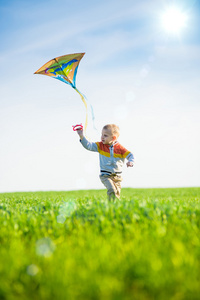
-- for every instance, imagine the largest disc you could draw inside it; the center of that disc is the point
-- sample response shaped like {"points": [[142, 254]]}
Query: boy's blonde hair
{"points": [[114, 129]]}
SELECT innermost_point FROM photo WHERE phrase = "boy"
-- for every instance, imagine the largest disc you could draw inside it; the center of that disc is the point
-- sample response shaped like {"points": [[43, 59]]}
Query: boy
{"points": [[111, 158]]}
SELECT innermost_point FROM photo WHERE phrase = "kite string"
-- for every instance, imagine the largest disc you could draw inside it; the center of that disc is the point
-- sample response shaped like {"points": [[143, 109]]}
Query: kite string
{"points": [[85, 103]]}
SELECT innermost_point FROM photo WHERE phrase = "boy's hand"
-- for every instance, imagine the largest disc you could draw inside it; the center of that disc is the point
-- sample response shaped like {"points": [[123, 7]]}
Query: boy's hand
{"points": [[129, 164], [80, 133]]}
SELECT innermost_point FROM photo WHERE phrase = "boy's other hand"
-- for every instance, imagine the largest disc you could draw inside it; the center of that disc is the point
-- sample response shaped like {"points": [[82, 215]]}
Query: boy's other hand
{"points": [[129, 164]]}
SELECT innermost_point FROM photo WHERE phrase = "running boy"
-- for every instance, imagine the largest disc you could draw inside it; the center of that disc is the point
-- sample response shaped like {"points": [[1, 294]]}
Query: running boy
{"points": [[111, 158]]}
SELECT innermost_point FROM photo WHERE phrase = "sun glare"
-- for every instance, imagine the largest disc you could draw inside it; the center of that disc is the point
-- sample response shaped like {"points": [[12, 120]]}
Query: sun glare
{"points": [[174, 20]]}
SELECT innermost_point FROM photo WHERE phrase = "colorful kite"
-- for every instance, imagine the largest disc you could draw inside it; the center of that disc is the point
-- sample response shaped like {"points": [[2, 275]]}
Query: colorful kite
{"points": [[65, 69]]}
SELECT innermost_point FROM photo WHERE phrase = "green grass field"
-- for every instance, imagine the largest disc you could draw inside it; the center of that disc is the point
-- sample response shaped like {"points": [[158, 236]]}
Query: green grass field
{"points": [[77, 245]]}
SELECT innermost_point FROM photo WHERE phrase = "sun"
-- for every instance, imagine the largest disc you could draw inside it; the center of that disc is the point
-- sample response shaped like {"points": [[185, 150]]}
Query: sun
{"points": [[174, 20]]}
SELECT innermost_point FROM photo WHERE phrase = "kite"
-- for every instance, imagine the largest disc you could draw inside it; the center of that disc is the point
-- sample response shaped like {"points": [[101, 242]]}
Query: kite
{"points": [[65, 68]]}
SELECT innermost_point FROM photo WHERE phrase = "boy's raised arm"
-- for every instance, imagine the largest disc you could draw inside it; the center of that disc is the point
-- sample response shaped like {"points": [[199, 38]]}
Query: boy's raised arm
{"points": [[85, 143], [80, 133]]}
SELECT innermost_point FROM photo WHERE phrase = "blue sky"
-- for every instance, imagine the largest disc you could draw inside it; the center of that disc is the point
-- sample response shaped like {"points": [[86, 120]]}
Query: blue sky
{"points": [[134, 73]]}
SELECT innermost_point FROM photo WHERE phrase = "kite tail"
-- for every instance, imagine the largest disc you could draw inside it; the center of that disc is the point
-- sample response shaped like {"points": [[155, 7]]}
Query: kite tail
{"points": [[86, 102]]}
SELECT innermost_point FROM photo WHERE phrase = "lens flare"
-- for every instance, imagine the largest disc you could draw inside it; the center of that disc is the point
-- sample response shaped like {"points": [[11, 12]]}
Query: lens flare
{"points": [[174, 20]]}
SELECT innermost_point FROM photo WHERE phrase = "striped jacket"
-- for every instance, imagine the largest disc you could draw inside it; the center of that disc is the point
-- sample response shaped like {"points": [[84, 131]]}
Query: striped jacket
{"points": [[111, 158]]}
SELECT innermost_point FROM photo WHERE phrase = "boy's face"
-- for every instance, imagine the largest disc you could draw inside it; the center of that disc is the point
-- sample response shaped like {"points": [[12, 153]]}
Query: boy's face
{"points": [[107, 138]]}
